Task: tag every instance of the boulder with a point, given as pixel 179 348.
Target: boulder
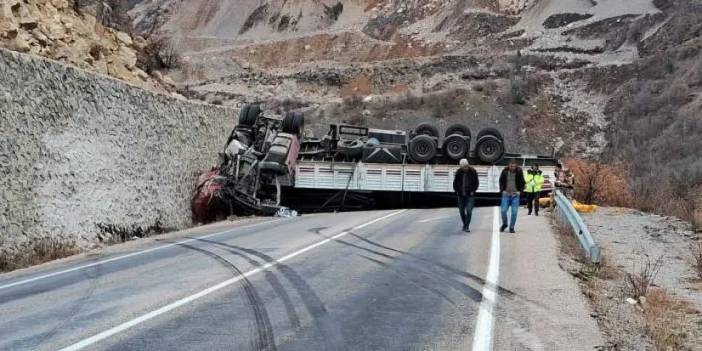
pixel 60 4
pixel 124 38
pixel 21 44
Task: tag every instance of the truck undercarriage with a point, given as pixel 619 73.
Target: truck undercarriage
pixel 265 155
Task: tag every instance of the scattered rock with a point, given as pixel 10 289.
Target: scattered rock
pixel 564 19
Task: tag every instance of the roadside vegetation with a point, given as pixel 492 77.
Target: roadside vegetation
pixel 48 249
pixel 631 309
pixel 37 252
pixel 696 261
pixel 615 183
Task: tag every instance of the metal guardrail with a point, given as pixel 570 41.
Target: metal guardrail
pixel 566 213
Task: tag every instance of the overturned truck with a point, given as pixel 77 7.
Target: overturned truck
pixel 267 156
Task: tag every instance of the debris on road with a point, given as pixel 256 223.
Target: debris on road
pixel 285 212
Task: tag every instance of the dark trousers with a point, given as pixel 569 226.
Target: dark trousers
pixel 465 207
pixel 533 202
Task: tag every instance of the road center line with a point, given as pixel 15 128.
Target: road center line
pixel 482 339
pixel 143 318
pixel 118 258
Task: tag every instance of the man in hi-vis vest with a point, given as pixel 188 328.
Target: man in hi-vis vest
pixel 534 183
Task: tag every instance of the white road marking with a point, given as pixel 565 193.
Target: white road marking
pixel 118 258
pixel 433 219
pixel 136 321
pixel 482 339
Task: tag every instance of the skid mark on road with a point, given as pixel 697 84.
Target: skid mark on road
pixel 189 299
pixel 408 278
pixel 265 339
pixel 328 329
pixel 272 281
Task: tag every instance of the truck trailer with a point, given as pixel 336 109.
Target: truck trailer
pixel 266 159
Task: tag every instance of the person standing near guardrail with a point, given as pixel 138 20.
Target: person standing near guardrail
pixel 565 183
pixel 465 184
pixel 512 183
pixel 534 182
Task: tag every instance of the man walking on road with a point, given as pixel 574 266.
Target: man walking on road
pixel 534 183
pixel 512 183
pixel 465 184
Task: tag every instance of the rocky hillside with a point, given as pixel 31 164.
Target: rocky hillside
pixel 70 32
pixel 605 79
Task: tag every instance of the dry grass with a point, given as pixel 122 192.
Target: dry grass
pixel 661 322
pixel 696 252
pixel 587 271
pixel 668 321
pixel 642 276
pixel 569 244
pixel 37 252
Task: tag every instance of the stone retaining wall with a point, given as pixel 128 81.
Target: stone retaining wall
pixel 81 152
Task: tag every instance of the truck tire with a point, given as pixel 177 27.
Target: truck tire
pixel 457 128
pixel 252 115
pixel 351 148
pixel 288 123
pixel 422 148
pixel 490 149
pixel 490 131
pixel 427 129
pixel 456 146
pixel 243 113
pixel 249 114
pixel 298 122
pixel 293 123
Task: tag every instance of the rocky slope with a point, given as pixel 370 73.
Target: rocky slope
pixel 64 31
pixel 606 79
pixel 323 56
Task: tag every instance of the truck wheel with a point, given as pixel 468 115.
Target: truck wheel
pixel 422 148
pixel 252 114
pixel 243 114
pixel 457 128
pixel 350 148
pixel 490 149
pixel 490 131
pixel 293 123
pixel 456 146
pixel 287 125
pixel 427 129
pixel 298 122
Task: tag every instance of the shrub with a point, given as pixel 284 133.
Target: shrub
pixel 353 102
pixel 696 252
pixel 333 12
pixel 669 65
pixel 604 184
pixel 643 276
pixel 668 321
pixel 37 252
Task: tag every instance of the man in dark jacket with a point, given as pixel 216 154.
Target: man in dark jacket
pixel 512 184
pixel 465 184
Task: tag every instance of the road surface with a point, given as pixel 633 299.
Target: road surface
pixel 382 280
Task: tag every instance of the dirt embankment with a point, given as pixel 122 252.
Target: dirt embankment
pixel 647 292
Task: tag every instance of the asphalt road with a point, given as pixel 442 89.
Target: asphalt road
pixel 383 280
